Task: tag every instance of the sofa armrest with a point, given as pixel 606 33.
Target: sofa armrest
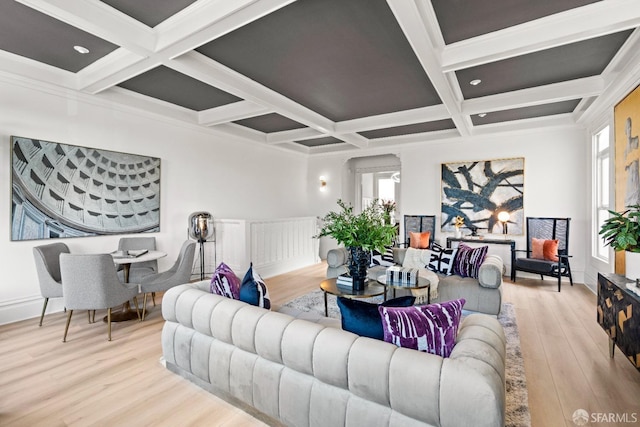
pixel 491 271
pixel 337 257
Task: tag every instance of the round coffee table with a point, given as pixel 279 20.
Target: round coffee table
pixel 371 289
pixel 421 284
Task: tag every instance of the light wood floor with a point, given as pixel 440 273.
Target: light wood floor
pixel 89 381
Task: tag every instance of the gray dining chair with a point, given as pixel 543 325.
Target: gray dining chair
pixel 138 270
pixel 90 282
pixel 47 258
pixel 178 274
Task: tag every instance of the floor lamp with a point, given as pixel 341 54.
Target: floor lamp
pixel 201 227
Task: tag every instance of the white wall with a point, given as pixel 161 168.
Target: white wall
pixel 556 179
pixel 200 170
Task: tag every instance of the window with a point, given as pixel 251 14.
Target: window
pixel 601 190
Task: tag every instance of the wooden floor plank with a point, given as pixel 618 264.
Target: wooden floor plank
pixel 90 381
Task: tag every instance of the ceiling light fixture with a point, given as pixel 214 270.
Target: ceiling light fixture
pixel 475 82
pixel 81 49
pixel 482 114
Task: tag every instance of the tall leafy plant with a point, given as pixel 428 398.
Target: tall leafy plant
pixel 366 230
pixel 621 231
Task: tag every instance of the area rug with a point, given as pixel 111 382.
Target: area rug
pixel 517 406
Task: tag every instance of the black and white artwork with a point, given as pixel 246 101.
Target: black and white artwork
pixel 478 191
pixel 60 190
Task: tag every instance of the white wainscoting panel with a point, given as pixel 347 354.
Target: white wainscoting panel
pixel 275 246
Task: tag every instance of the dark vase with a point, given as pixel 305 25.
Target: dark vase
pixel 358 263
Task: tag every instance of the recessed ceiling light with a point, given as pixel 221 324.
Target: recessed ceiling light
pixel 81 49
pixel 475 82
pixel 482 114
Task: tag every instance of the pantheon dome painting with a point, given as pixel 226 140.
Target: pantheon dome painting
pixel 61 190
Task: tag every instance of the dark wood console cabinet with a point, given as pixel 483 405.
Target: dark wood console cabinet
pixel 619 315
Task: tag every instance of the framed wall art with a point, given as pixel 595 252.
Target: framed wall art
pixel 478 191
pixel 627 157
pixel 60 190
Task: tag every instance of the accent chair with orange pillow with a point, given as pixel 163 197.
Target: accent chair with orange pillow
pixel 547 252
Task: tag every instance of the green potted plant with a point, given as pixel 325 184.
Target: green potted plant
pixel 360 234
pixel 621 231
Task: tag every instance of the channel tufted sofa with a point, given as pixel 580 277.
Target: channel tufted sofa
pixel 482 295
pixel 295 372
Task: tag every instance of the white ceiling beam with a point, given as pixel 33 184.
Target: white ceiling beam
pixel 293 135
pixel 231 112
pixel 399 118
pixel 209 20
pixel 101 20
pixel 596 19
pixel 556 92
pixel 213 73
pixel 533 124
pixel 148 104
pixel 241 132
pixel 415 137
pixel 110 70
pixel 29 68
pixel 410 19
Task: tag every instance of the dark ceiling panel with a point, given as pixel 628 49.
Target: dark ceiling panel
pixel 317 142
pixel 270 123
pixel 342 59
pixel 149 12
pixel 409 129
pixel 34 35
pixel 573 61
pixel 464 19
pixel 171 86
pixel 526 112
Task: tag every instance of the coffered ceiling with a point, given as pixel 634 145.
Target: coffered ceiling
pixel 318 76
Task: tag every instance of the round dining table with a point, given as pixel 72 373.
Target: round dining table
pixel 126 259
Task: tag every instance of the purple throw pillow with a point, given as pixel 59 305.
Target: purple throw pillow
pixel 225 283
pixel 430 328
pixel 468 260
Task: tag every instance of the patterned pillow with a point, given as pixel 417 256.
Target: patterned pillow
pixel 225 282
pixel 363 318
pixel 430 328
pixel 441 259
pixel 385 259
pixel 253 290
pixel 468 260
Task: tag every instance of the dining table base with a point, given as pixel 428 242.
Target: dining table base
pixel 126 314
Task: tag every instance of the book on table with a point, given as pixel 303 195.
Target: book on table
pixel 132 253
pixel 344 280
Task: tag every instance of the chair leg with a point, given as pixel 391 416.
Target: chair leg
pixel 66 328
pixel 135 301
pixel 559 281
pixel 89 316
pixel 153 298
pixel 569 271
pixel 93 317
pixel 144 306
pixel 109 323
pixel 44 308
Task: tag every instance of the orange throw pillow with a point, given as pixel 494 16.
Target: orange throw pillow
pixel 537 248
pixel 550 250
pixel 544 249
pixel 419 240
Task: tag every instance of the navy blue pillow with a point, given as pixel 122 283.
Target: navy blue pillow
pixel 253 290
pixel 363 318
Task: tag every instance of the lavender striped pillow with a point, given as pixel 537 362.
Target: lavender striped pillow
pixel 468 260
pixel 225 282
pixel 430 328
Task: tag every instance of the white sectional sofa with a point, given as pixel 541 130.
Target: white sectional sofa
pixel 296 372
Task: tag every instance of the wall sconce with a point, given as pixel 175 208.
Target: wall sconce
pixel 323 183
pixel 503 217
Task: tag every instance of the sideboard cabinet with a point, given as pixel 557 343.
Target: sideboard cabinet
pixel 619 315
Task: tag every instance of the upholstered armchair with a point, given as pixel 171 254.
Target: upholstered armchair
pixel 47 258
pixel 178 274
pixel 90 282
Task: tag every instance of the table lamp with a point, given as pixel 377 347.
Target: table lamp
pixel 503 217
